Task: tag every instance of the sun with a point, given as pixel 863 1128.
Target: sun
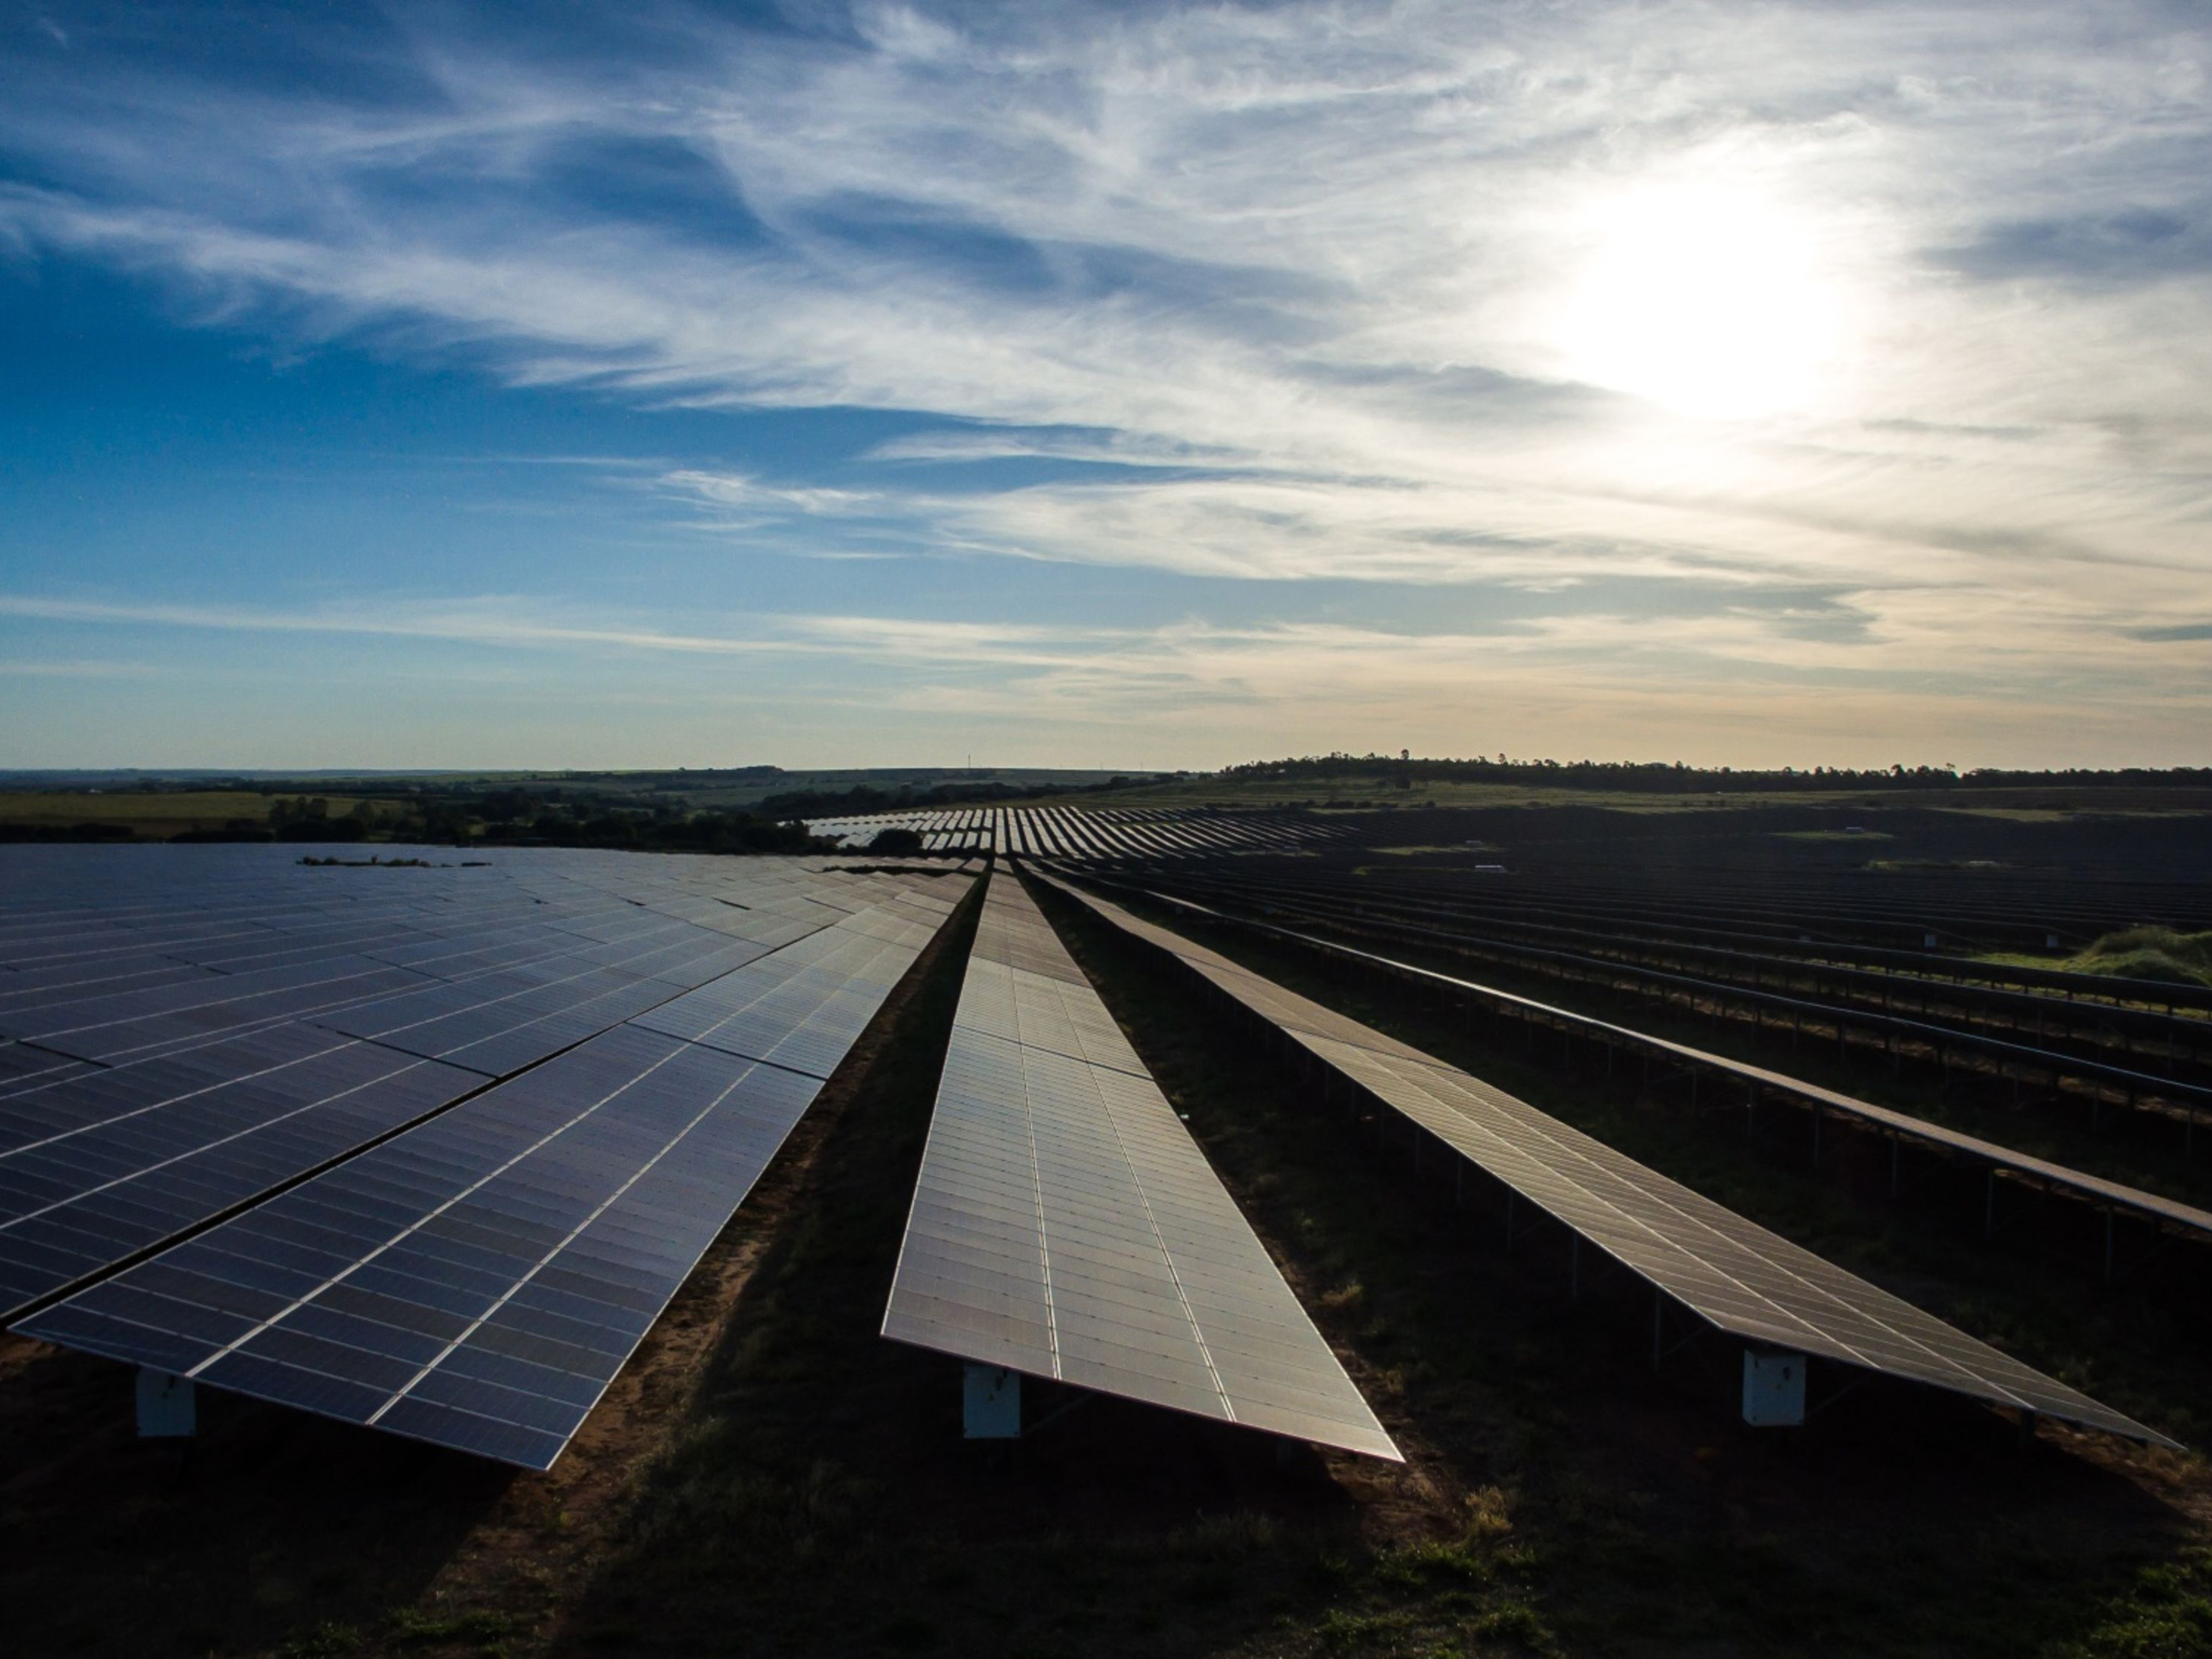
pixel 1711 299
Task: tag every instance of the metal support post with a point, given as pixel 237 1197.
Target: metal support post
pixel 167 1408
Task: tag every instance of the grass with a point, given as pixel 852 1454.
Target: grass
pixel 147 814
pixel 151 815
pixel 413 1627
pixel 2159 955
pixel 2155 953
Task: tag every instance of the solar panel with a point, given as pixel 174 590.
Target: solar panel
pixel 41 985
pixel 501 1022
pixel 21 1067
pixel 1737 1276
pixel 2112 1195
pixel 801 1008
pixel 98 1167
pixel 1066 1226
pixel 476 1279
pixel 115 1025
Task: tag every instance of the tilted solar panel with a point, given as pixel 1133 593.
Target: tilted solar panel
pixel 1736 1275
pixel 23 1067
pixel 119 1025
pixel 501 1022
pixel 477 1280
pixel 1064 1224
pixel 98 1167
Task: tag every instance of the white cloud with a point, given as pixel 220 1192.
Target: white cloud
pixel 750 495
pixel 1311 276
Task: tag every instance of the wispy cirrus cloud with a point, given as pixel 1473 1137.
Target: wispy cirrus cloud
pixel 750 495
pixel 1289 296
pixel 496 621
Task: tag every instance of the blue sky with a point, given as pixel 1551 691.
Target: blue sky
pixel 1134 386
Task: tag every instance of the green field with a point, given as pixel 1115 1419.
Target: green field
pixel 151 815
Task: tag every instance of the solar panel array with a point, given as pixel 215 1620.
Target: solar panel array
pixel 2170 1215
pixel 1100 832
pixel 1064 1224
pixel 629 1038
pixel 1737 1276
pixel 176 1017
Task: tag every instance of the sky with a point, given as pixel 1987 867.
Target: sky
pixel 1136 386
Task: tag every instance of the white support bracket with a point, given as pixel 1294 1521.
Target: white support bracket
pixel 990 1402
pixel 1773 1388
pixel 166 1407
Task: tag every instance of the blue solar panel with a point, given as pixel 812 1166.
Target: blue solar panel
pixel 478 1278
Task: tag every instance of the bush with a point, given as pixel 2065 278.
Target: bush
pixel 897 843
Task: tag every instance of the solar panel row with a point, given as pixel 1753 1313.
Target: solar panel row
pixel 2183 1220
pixel 184 1031
pixel 1737 1276
pixel 1066 1226
pixel 1088 832
pixel 104 1165
pixel 478 1278
pixel 99 1161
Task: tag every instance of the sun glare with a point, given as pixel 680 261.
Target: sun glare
pixel 1711 301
